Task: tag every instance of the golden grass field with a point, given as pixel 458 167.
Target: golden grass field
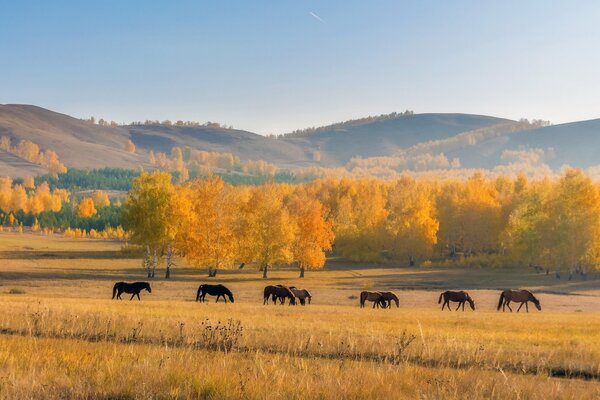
pixel 61 335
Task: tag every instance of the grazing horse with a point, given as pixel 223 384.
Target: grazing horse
pixel 387 297
pixel 134 288
pixel 213 290
pixel 375 297
pixel 460 297
pixel 278 292
pixel 301 294
pixel 518 296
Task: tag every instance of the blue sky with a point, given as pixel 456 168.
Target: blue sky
pixel 273 66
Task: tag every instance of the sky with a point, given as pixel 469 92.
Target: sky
pixel 275 66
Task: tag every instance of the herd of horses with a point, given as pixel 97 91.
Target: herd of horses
pixel 279 294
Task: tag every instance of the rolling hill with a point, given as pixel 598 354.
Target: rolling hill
pixel 478 141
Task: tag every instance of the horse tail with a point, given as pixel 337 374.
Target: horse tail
pixel 440 299
pixel 500 301
pixel 115 289
pixel 199 292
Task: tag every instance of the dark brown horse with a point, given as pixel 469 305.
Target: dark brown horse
pixel 518 296
pixel 213 290
pixel 278 292
pixel 388 297
pixel 460 297
pixel 375 297
pixel 134 288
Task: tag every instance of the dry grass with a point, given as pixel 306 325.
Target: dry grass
pixel 62 336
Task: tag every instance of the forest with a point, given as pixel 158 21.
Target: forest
pixel 554 223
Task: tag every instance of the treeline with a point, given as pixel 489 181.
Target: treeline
pixel 554 223
pixel 104 178
pixel 338 125
pixel 31 152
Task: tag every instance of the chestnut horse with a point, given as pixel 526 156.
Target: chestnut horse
pixel 389 297
pixel 518 296
pixel 278 292
pixel 375 297
pixel 460 297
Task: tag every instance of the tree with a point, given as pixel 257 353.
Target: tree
pixel 147 208
pixel 100 198
pixel 574 216
pixel 268 226
pixel 412 226
pixel 86 208
pixel 18 199
pixel 210 240
pixel 359 222
pixel 313 234
pixel 130 146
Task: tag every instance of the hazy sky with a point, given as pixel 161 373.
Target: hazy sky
pixel 273 66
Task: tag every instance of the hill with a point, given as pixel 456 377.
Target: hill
pixel 398 141
pixel 386 137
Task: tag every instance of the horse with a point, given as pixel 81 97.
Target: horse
pixel 213 290
pixel 278 292
pixel 301 294
pixel 518 296
pixel 134 288
pixel 375 297
pixel 460 297
pixel 387 297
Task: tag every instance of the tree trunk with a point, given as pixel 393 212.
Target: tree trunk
pixel 147 262
pixel 168 263
pixel 154 261
pixel 302 271
pixel 265 268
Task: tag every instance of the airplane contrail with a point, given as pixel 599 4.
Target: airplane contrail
pixel 315 16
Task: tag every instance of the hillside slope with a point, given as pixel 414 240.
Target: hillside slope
pixel 78 143
pixel 388 137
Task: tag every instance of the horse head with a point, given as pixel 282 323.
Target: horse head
pixel 471 302
pixel 535 301
pixel 230 295
pixel 147 287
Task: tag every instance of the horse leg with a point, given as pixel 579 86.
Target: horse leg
pixel 508 305
pixel 457 306
pixel 526 306
pixel 463 306
pixel 138 296
pixel 119 295
pixel 376 303
pixel 132 296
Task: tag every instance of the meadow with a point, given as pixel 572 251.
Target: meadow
pixel 63 337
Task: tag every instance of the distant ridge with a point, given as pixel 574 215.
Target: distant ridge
pixel 474 141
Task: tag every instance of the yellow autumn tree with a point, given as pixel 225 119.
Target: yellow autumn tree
pixel 100 198
pixel 412 225
pixel 210 241
pixel 359 223
pixel 574 215
pixel 313 234
pixel 268 225
pixel 5 193
pixel 18 199
pixel 146 211
pixel 130 146
pixel 86 208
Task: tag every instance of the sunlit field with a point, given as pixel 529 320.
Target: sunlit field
pixel 63 337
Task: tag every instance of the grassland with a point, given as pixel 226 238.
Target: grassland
pixel 62 337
